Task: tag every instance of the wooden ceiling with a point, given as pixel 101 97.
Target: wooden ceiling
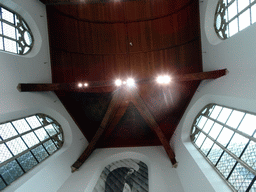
pixel 103 41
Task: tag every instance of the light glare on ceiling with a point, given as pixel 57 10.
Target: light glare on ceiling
pixel 80 85
pixel 163 79
pixel 118 82
pixel 130 82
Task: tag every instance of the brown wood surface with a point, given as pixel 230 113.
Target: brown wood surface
pixel 145 113
pixel 108 86
pixel 110 114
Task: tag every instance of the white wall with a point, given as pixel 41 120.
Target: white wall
pixel 36 68
pixel 237 89
pixel 162 177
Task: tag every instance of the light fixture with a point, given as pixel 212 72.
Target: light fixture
pixel 130 82
pixel 118 82
pixel 80 85
pixel 86 84
pixel 163 79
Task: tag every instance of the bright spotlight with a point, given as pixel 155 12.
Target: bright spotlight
pixel 86 84
pixel 164 79
pixel 130 82
pixel 80 85
pixel 118 82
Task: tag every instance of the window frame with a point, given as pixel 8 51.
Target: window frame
pixel 225 149
pixel 57 140
pixel 221 9
pixel 21 28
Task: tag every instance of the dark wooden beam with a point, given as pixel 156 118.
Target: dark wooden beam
pixel 110 114
pixel 109 86
pixel 201 76
pixel 96 87
pixel 145 113
pixel 70 2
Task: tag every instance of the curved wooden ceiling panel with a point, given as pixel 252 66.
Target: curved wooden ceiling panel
pixel 126 11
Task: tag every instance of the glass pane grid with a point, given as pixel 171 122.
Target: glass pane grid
pixel 226 164
pixel 14 27
pixel 239 144
pixel 24 161
pixel 238 15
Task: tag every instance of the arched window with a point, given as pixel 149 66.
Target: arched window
pixel 232 16
pixel 226 138
pixel 15 34
pixel 26 142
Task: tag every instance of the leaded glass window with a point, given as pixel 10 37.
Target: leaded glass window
pixel 26 142
pixel 226 137
pixel 232 16
pixel 15 34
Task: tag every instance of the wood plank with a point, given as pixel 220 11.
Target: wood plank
pixel 145 113
pixel 110 114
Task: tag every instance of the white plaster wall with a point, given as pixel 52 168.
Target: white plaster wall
pixel 237 89
pixel 162 177
pixel 36 68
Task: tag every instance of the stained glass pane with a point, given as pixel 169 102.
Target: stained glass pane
pixel 225 136
pixel 202 122
pixel 200 139
pixel 2 184
pixel 249 156
pixel 50 147
pixel 247 125
pixel 235 118
pixel 253 12
pixel 240 177
pixel 41 134
pixel 215 112
pixel 33 122
pixel 7 131
pixel 40 153
pixel 10 45
pixel 1 43
pixel 5 153
pixel 27 161
pixel 237 144
pixel 207 145
pixel 30 139
pixel 226 164
pixel 21 125
pixel 11 171
pixel 208 126
pixel 50 130
pixel 7 15
pixel 232 10
pixel 9 30
pixel 16 146
pixel 224 115
pixel 244 20
pixel 215 153
pixel 215 130
pixel 242 4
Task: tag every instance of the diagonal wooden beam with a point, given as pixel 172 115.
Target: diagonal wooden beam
pixel 111 111
pixel 109 86
pixel 145 113
pixel 119 114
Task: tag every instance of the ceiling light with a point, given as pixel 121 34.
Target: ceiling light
pixel 86 84
pixel 80 85
pixel 130 82
pixel 164 79
pixel 118 82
